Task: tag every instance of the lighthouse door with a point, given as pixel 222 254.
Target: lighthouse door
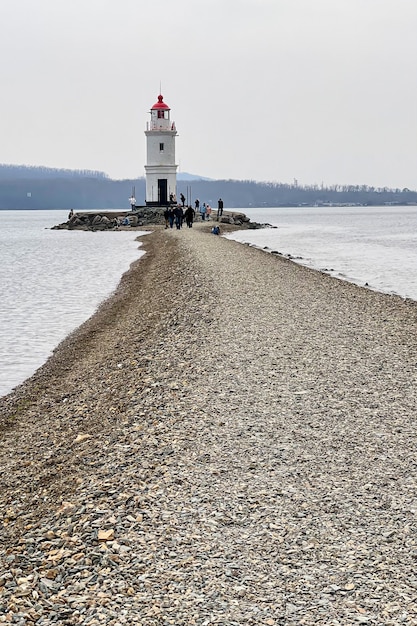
pixel 162 191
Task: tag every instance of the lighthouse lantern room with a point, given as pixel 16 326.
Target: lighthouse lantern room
pixel 160 168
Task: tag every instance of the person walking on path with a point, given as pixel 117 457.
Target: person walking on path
pixel 219 208
pixel 203 211
pixel 189 216
pixel 179 216
pixel 182 198
pixel 166 216
pixel 171 217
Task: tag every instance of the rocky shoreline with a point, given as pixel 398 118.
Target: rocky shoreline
pixel 231 439
pixel 142 216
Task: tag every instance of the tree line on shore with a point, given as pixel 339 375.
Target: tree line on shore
pixel 23 187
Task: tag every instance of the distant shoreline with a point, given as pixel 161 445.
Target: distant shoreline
pixel 26 188
pixel 235 209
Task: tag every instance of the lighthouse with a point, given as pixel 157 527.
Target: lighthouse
pixel 160 168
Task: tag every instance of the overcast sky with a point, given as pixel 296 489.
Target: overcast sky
pixel 321 91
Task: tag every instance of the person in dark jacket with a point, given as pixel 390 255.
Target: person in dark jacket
pixel 171 217
pixel 179 216
pixel 219 208
pixel 189 216
pixel 166 216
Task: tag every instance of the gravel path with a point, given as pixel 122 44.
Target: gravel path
pixel 231 439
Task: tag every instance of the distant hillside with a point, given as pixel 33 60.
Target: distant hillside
pixel 185 176
pixel 38 172
pixel 23 187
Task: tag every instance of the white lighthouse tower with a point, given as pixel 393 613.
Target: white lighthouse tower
pixel 161 171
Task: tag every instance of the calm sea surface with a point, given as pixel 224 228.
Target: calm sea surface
pixel 50 282
pixel 374 245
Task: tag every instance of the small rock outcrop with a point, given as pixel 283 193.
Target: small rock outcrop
pixel 240 219
pixel 113 220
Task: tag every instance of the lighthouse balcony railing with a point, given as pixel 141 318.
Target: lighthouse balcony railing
pixel 162 126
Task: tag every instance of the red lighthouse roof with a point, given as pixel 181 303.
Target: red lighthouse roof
pixel 160 104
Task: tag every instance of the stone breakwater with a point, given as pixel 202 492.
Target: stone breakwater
pixel 231 439
pixel 142 216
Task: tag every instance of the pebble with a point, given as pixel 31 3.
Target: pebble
pixel 229 440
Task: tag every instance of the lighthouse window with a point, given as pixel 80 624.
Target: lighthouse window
pixel 161 147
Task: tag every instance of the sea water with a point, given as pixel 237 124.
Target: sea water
pixel 374 247
pixel 50 282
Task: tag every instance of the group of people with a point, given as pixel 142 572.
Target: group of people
pixel 205 209
pixel 178 213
